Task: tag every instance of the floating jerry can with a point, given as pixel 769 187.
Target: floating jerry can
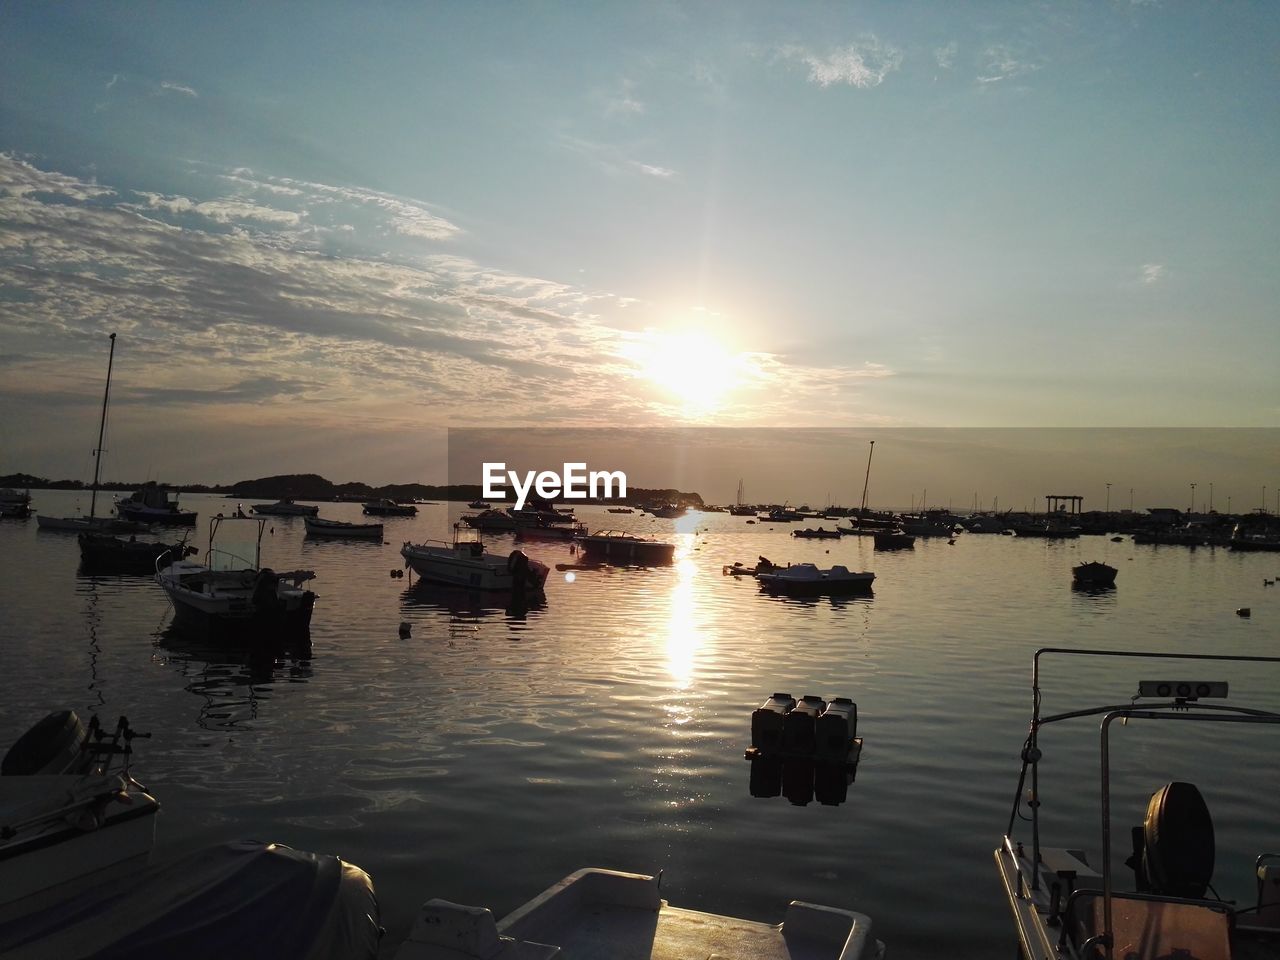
pixel 798 737
pixel 834 729
pixel 766 723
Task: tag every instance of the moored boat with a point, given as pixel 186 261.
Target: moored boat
pixel 70 812
pixel 807 579
pixel 152 504
pixel 615 546
pixel 818 533
pixel 893 540
pixel 15 504
pixel 320 527
pixel 466 563
pixel 285 508
pixel 389 508
pixel 230 592
pixel 1094 574
pixel 491 520
pixel 606 913
pixel 103 553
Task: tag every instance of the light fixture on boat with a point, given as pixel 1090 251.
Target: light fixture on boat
pixel 1183 689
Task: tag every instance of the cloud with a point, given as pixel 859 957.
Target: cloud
pixel 19 179
pixel 1152 273
pixel 864 63
pixel 222 210
pixel 170 87
pixel 945 56
pixel 1002 62
pixel 230 314
pixel 112 82
pixel 623 102
pixel 613 159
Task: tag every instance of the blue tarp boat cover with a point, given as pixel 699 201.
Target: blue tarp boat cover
pixel 244 900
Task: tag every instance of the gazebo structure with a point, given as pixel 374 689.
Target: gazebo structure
pixel 1063 503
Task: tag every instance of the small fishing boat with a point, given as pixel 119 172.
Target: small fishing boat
pixel 320 527
pixel 550 531
pixel 15 504
pixel 818 533
pixel 621 510
pixel 614 546
pixel 230 592
pixel 479 505
pixel 285 508
pixel 103 553
pixel 1068 904
pixel 70 812
pixel 466 563
pixel 893 540
pixel 1047 530
pixel 389 508
pixel 76 834
pixel 152 504
pixel 807 580
pixel 607 913
pixel 1094 574
pixel 491 520
pixel 740 569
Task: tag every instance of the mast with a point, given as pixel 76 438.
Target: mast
pixel 866 480
pixel 102 426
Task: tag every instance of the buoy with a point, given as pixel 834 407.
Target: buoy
pixel 1244 612
pixel 1268 583
pixel 405 629
pixel 393 574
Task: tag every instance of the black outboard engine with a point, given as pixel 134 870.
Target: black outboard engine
pixel 265 586
pixel 1173 850
pixel 54 745
pixel 518 567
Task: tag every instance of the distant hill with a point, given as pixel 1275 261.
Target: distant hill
pixel 312 486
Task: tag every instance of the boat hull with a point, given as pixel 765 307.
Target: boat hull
pixel 233 607
pixel 346 531
pixel 775 583
pixel 162 517
pixel 628 552
pixel 475 571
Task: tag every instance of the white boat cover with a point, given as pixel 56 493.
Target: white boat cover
pixel 244 900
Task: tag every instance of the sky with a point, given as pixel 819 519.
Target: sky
pixel 328 233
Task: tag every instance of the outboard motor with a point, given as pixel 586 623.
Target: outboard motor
pixel 54 745
pixel 518 567
pixel 265 586
pixel 1174 848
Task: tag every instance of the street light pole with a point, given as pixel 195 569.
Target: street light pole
pixel 1108 498
pixel 1193 500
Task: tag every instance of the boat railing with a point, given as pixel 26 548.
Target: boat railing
pixel 1184 705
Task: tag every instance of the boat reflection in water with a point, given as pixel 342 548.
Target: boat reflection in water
pixel 461 601
pixel 232 679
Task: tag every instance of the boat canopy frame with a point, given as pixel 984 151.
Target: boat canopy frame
pixel 1179 708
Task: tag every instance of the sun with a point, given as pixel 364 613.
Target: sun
pixel 693 368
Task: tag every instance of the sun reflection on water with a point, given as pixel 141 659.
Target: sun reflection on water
pixel 684 637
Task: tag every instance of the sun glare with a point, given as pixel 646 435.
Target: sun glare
pixel 693 369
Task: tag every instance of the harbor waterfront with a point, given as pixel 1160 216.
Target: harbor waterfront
pixel 491 752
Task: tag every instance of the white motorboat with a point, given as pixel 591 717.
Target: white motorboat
pixel 605 913
pixel 70 812
pixel 229 591
pixel 152 504
pixel 617 547
pixel 320 527
pixel 807 579
pixel 466 563
pixel 389 508
pixel 285 508
pixel 15 503
pixel 1067 907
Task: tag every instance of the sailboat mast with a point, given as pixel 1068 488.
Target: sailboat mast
pixel 102 426
pixel 865 481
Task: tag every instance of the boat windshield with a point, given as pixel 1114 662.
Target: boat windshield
pixel 233 543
